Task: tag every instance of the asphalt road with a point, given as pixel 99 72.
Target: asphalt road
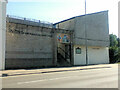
pixel 90 78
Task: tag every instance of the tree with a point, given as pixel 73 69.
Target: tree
pixel 117 55
pixel 113 40
pixel 118 42
pixel 114 50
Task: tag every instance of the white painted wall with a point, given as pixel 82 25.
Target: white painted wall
pixel 2 33
pixel 80 59
pixel 96 55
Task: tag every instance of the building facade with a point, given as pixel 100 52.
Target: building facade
pixel 31 45
pixel 93 27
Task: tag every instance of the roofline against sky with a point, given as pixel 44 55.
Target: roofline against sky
pixel 80 16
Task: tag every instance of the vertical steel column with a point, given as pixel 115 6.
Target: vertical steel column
pixel 86 37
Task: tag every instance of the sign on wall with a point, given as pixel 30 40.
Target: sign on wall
pixel 78 50
pixel 63 38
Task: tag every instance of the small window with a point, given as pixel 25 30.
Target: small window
pixel 78 50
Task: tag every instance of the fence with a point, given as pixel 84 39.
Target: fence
pixel 41 23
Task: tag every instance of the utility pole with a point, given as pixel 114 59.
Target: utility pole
pixel 2 33
pixel 86 37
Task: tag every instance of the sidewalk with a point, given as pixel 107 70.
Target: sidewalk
pixel 50 70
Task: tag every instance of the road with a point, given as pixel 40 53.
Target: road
pixel 90 78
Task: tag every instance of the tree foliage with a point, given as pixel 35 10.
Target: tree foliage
pixel 113 40
pixel 114 50
pixel 118 42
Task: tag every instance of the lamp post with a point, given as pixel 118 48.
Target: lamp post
pixel 2 33
pixel 86 37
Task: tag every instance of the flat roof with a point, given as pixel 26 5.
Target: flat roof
pixel 79 16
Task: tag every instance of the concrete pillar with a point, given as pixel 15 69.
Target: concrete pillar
pixel 2 33
pixel 54 48
pixel 72 49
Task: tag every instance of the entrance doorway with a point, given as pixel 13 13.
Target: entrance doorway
pixel 64 54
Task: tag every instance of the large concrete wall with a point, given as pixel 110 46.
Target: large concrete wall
pixel 96 26
pixel 67 24
pixel 28 46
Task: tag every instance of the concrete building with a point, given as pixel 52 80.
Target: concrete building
pixel 97 34
pixel 30 45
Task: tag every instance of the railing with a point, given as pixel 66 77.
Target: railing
pixel 16 17
pixel 43 23
pixel 64 54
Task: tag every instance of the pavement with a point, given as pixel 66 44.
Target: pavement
pixel 93 76
pixel 6 73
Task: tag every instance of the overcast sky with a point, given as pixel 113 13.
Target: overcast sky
pixel 58 10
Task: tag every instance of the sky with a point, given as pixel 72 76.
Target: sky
pixel 57 10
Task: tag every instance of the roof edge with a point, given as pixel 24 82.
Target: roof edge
pixel 80 16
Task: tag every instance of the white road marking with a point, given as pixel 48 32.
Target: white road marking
pixel 45 80
pixel 59 78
